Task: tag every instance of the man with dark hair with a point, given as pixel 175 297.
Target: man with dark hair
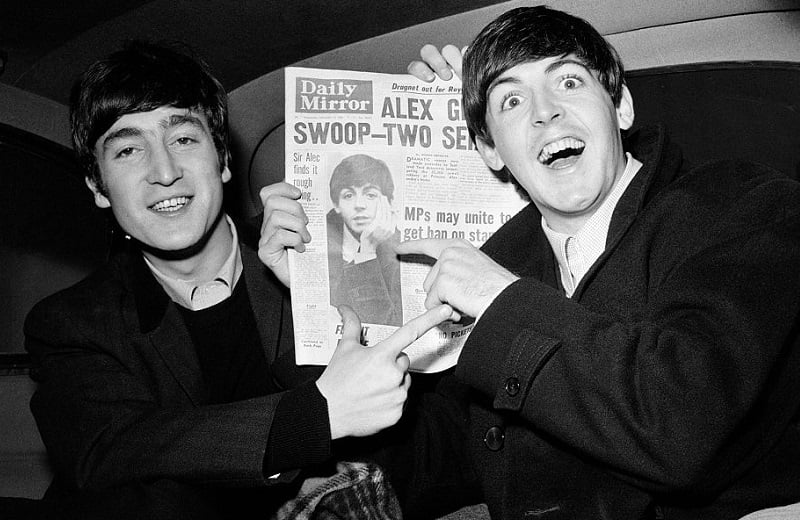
pixel 636 351
pixel 167 386
pixel 363 268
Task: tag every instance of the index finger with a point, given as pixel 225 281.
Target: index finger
pixel 411 331
pixel 432 247
pixel 279 188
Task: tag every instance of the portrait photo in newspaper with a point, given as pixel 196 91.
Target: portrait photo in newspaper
pixel 363 269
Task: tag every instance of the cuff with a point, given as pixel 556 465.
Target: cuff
pixel 300 435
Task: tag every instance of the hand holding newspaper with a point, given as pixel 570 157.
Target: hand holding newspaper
pixel 381 158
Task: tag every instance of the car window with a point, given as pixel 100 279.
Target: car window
pixel 725 110
pixel 51 234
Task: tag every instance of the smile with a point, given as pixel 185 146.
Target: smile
pixel 170 205
pixel 561 153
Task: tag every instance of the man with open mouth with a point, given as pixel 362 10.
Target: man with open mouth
pixel 636 352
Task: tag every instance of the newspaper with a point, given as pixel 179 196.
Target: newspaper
pixel 381 158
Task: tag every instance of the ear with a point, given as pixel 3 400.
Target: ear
pixel 489 154
pixel 625 109
pixel 226 174
pixel 99 199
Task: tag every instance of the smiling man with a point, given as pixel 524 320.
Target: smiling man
pixel 167 386
pixel 637 346
pixel 163 180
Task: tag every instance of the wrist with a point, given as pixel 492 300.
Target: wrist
pixel 337 429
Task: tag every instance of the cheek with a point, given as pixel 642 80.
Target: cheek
pixel 119 198
pixel 345 209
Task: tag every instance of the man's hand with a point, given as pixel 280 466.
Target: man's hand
pixel 366 387
pixel 381 228
pixel 283 227
pixel 463 276
pixel 433 63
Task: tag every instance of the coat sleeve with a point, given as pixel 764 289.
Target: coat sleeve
pixel 684 392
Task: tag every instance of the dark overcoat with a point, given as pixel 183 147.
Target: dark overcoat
pixel 121 400
pixel 668 386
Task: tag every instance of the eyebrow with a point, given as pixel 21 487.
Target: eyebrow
pixel 132 131
pixel 180 119
pixel 120 133
pixel 367 186
pixel 501 80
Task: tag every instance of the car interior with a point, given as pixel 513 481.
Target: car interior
pixel 723 77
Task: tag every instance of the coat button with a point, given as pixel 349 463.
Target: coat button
pixel 512 386
pixel 494 438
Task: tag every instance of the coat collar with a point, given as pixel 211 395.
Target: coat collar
pixel 152 302
pixel 522 247
pixel 661 162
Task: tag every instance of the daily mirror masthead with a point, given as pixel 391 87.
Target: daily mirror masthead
pixel 333 96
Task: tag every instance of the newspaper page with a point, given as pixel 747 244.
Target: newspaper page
pixel 381 158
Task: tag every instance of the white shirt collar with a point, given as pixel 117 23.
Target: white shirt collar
pixel 195 296
pixel 590 241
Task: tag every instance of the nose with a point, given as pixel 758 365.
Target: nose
pixel 163 168
pixel 361 201
pixel 546 109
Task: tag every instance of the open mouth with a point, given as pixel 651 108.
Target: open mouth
pixel 561 153
pixel 170 205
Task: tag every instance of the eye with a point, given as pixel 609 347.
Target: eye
pixel 570 82
pixel 347 195
pixel 185 140
pixel 371 195
pixel 125 152
pixel 510 101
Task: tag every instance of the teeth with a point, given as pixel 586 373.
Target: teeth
pixel 173 204
pixel 567 143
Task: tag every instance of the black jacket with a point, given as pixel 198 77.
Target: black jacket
pixel 121 404
pixel 668 386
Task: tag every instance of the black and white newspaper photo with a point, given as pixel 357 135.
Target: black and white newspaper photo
pixel 381 158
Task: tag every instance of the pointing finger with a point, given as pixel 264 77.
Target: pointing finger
pixel 411 331
pixel 432 247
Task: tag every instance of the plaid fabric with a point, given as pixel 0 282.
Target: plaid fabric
pixel 359 491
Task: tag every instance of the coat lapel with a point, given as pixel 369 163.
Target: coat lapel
pixel 172 342
pixel 652 148
pixel 160 321
pixel 162 327
pixel 266 301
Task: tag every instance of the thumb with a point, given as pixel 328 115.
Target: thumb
pixel 411 331
pixel 351 326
